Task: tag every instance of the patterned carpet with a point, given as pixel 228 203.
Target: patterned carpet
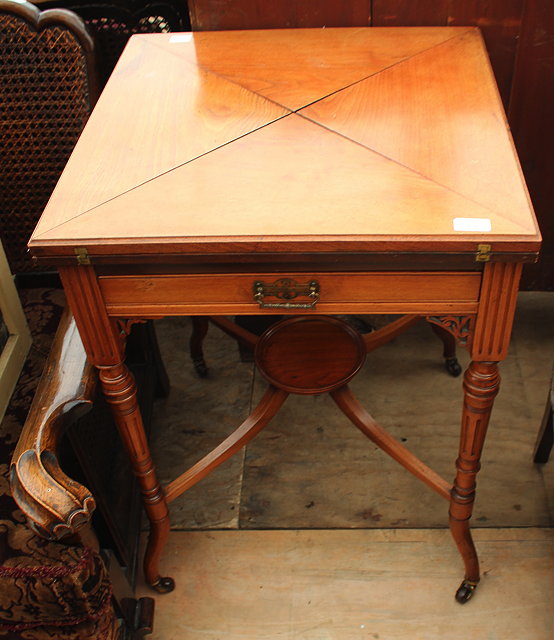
pixel 47 589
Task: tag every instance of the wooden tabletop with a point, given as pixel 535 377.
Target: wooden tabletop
pixel 354 139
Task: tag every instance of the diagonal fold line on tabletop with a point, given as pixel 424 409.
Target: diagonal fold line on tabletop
pixel 339 136
pixel 223 76
pixel 408 168
pixel 376 73
pixel 159 175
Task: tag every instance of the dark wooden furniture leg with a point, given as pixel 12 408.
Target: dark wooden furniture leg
pixel 449 349
pixel 200 326
pixel 104 344
pixel 545 437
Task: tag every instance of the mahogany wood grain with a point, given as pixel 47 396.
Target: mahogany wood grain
pixel 104 343
pixel 119 129
pixel 357 189
pixel 294 68
pixel 400 182
pixel 120 392
pixel 500 22
pixel 404 136
pixel 392 13
pixel 385 334
pixel 533 126
pixel 447 292
pixel 467 117
pixel 308 356
pixel 259 14
pixel 497 304
pixel 55 505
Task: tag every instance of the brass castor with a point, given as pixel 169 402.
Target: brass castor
pixel 164 585
pixel 465 591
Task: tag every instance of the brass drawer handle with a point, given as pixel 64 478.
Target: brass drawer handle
pixel 286 289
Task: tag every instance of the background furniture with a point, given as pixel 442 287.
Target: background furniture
pixel 65 585
pixel 111 24
pixel 16 338
pixel 48 90
pixel 545 437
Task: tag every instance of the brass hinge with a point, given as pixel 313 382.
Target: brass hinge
pixel 82 255
pixel 483 253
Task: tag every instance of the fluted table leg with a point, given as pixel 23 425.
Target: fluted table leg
pixel 481 382
pixel 120 391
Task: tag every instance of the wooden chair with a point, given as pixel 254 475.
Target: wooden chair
pixel 111 24
pixel 58 509
pixel 48 90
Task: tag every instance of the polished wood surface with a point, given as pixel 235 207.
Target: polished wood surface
pixel 119 148
pixel 296 68
pixel 463 119
pixel 55 505
pixel 310 355
pixel 376 292
pixel 419 184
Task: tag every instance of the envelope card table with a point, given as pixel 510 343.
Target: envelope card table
pixel 313 171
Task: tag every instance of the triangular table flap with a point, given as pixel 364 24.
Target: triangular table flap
pixel 294 67
pixel 439 114
pixel 292 178
pixel 146 123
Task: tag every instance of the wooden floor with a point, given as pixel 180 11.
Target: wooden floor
pixel 314 534
pixel 354 585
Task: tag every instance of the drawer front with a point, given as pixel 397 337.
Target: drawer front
pixel 222 294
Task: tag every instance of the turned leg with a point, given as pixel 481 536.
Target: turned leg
pixel 120 391
pixel 200 325
pixel 481 382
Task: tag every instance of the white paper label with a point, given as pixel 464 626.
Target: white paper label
pixel 180 37
pixel 472 224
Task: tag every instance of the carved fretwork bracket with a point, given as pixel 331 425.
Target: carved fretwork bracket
pixel 125 325
pixel 461 327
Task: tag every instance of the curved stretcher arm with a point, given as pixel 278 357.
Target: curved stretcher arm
pixel 55 505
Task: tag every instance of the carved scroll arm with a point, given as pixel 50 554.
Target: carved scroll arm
pixel 55 505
